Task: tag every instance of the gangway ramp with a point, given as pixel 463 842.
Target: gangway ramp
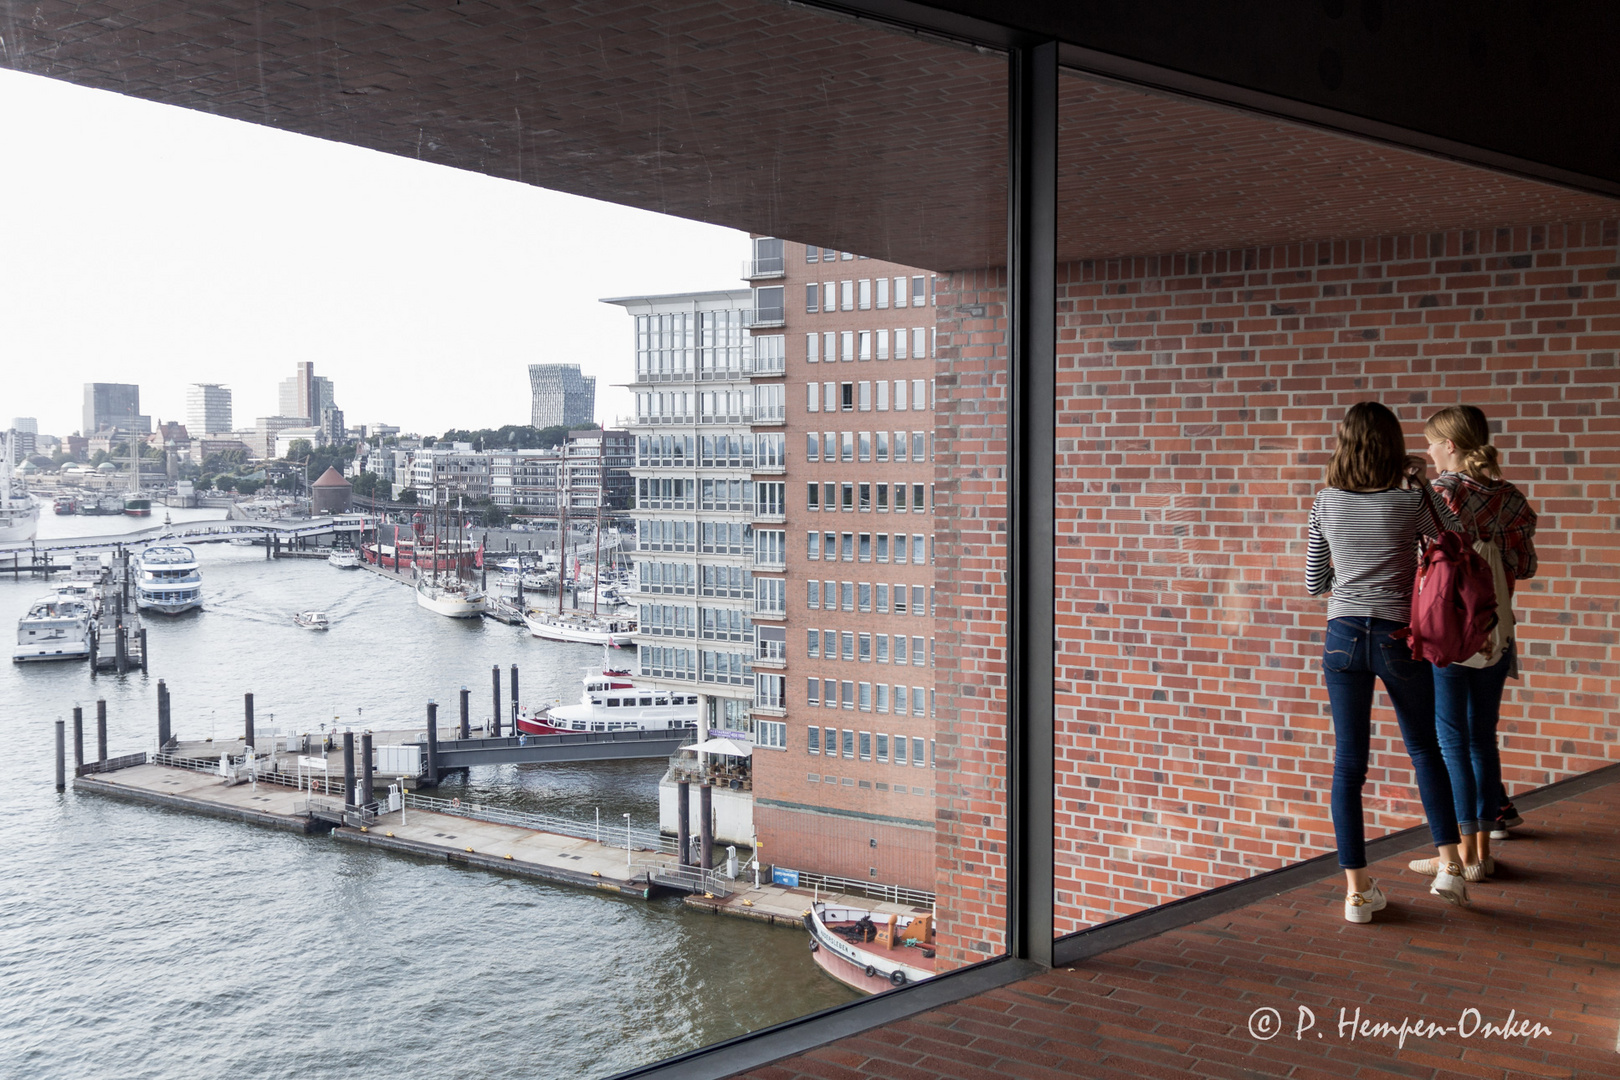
pixel 539 749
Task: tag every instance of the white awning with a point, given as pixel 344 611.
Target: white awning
pixel 722 746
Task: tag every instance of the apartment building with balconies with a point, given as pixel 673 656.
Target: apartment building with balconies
pixel 843 717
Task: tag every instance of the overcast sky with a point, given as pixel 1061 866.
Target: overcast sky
pixel 149 244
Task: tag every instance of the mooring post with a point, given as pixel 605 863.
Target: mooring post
pixel 247 719
pixel 433 744
pixel 514 699
pixel 168 717
pixel 61 757
pixel 163 715
pixel 706 826
pixel 683 821
pixel 348 769
pixel 495 673
pixel 141 637
pixel 101 729
pixel 78 735
pixel 366 776
pixel 120 645
pixel 466 719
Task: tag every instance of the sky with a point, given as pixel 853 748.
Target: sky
pixel 156 245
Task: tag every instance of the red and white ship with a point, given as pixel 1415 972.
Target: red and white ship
pixel 612 703
pixel 871 951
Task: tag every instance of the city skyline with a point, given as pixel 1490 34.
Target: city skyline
pixel 430 326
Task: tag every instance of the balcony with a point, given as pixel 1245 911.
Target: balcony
pixel 770 416
pixel 769 365
pixel 763 318
pixel 769 468
pixel 666 421
pixel 760 269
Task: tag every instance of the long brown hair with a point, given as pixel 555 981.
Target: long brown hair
pixel 1371 453
pixel 1468 430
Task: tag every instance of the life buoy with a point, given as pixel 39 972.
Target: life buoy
pixel 455 804
pixel 897 977
pixel 815 946
pixel 870 971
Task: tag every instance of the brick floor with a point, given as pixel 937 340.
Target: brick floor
pixel 1542 941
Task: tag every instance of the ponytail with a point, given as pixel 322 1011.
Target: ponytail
pixel 1465 426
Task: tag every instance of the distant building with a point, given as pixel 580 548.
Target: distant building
pixel 208 409
pixel 331 425
pixel 560 395
pixel 287 436
pixel 114 407
pixel 330 494
pixel 27 439
pixel 306 395
pixel 266 428
pixel 443 473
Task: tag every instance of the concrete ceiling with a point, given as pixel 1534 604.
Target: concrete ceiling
pixel 775 119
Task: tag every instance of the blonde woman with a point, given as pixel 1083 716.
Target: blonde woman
pixel 1468 695
pixel 1363 546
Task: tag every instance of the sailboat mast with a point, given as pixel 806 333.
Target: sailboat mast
pixel 601 490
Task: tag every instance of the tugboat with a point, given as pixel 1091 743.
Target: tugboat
pixel 870 951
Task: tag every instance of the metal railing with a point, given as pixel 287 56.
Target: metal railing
pixel 692 879
pixel 763 268
pixel 328 785
pixel 608 833
pixel 895 894
pixel 128 761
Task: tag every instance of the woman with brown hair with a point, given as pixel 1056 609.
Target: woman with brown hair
pixel 1363 546
pixel 1468 694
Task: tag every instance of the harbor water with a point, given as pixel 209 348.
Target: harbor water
pixel 140 942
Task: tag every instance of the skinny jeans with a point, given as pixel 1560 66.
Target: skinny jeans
pixel 1467 704
pixel 1358 651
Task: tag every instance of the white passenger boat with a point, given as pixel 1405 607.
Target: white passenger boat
pixel 458 600
pixel 55 628
pixel 313 620
pixel 168 580
pixel 871 951
pixel 611 630
pixel 344 558
pixel 608 704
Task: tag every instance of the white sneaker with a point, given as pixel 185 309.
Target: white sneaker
pixel 1501 834
pixel 1359 906
pixel 1450 886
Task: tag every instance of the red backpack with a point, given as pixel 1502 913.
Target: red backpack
pixel 1453 600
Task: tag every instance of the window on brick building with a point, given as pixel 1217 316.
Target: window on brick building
pixel 848 741
pixel 882 747
pixel 810 302
pixel 812 594
pixel 919 293
pixel 865 741
pixel 812 735
pixel 882 344
pixel 880 596
pixel 846 295
pixel 846 596
pixel 812 645
pixel 882 643
pixel 900 395
pixel 865 294
pixel 882 499
pixel 847 497
pixel 846 396
pixel 882 293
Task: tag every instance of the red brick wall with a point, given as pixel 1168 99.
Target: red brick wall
pixel 825 841
pixel 970 624
pixel 1198 397
pixel 1197 402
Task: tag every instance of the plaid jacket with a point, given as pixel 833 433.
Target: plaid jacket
pixel 1494 511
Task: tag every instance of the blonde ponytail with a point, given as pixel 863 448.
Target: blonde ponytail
pixel 1466 427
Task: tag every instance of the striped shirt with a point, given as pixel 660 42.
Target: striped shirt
pixel 1363 545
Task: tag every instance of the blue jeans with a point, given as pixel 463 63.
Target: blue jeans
pixel 1467 703
pixel 1358 650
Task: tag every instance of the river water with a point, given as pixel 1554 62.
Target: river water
pixel 140 942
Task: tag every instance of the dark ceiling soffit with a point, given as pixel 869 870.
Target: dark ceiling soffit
pixel 956 27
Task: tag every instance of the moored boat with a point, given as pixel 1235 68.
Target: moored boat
pixel 871 951
pixel 456 599
pixel 65 504
pixel 611 703
pixel 55 628
pixel 344 558
pixel 169 580
pixel 613 631
pixel 138 506
pixel 19 513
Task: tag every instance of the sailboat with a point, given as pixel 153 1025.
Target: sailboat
pixel 447 590
pixel 614 631
pixel 19 513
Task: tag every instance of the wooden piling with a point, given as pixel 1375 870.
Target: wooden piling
pixel 78 735
pixel 495 673
pixel 247 719
pixel 515 699
pixel 683 821
pixel 61 757
pixel 366 775
pixel 466 719
pixel 163 715
pixel 101 729
pixel 432 778
pixel 348 769
pixel 141 637
pixel 706 826
pixel 120 644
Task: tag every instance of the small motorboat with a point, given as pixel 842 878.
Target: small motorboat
pixel 313 620
pixel 344 558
